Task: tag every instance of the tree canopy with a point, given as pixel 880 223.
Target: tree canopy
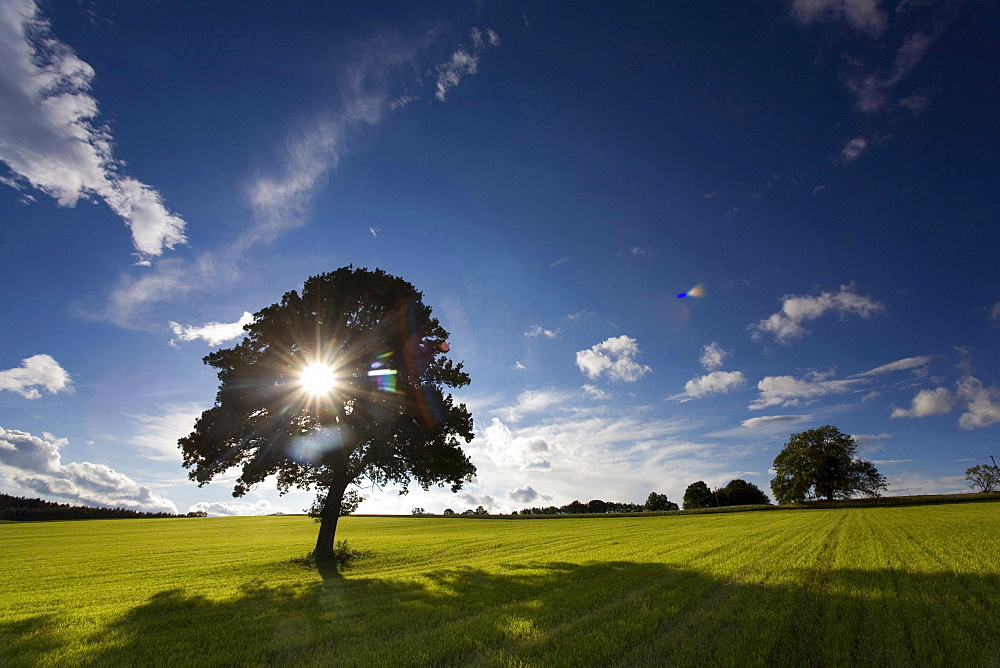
pixel 656 502
pixel 822 463
pixel 698 495
pixel 739 492
pixel 339 384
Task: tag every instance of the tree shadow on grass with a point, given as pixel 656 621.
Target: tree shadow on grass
pixel 556 613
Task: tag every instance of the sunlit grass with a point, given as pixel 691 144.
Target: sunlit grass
pixel 865 586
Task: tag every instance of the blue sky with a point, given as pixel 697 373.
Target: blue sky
pixel 819 176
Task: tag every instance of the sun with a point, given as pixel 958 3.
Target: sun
pixel 318 379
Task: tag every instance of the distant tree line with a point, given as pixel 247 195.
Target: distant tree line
pixel 22 509
pixel 654 502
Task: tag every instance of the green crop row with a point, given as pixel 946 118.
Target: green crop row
pixel 859 586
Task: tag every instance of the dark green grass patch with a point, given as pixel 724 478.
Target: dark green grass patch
pixel 878 586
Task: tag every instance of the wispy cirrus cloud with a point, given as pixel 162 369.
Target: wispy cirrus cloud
pixel 791 391
pixel 863 15
pixel 156 434
pixel 905 364
pixel 281 197
pixel 213 333
pixel 49 138
pixel 463 62
pixel 35 373
pixel 712 356
pixel 538 330
pixel 34 464
pixel 786 325
pixel 871 89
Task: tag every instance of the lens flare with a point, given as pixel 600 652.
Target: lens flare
pixel 696 291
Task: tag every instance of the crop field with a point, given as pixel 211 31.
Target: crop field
pixel 862 586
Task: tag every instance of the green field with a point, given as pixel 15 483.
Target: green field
pixel 861 586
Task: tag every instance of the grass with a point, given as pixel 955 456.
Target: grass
pixel 910 585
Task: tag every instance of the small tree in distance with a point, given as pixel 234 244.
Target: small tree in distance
pixel 698 495
pixel 659 502
pixel 822 463
pixel 986 478
pixel 741 493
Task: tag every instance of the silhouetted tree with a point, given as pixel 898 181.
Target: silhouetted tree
pixel 341 383
pixel 822 463
pixel 659 502
pixel 741 493
pixel 481 511
pixel 698 495
pixel 448 511
pixel 597 506
pixel 986 478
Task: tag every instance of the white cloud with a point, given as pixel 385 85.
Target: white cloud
pixel 532 401
pixel 863 15
pixel 995 312
pixel 982 406
pixel 928 402
pixel 717 382
pixel 872 89
pixel 227 508
pixel 526 453
pixel 789 391
pixel 538 330
pixel 614 357
pixel 853 149
pixel 33 463
pixel 462 62
pixel 49 140
pixel 899 365
pixel 595 392
pixel 37 371
pixel 774 421
pixel 797 309
pixel 157 434
pixel 213 333
pixel 519 366
pixel 712 356
pixel 981 403
pixel 526 495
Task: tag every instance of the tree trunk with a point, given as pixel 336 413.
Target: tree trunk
pixel 328 522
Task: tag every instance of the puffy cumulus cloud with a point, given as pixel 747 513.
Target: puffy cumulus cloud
pixel 786 325
pixel 981 403
pixel 37 371
pixel 790 391
pixel 774 421
pixel 526 495
pixel 863 15
pixel 717 382
pixel 899 365
pixel 595 392
pixel 538 330
pixel 226 508
pixel 927 402
pixel 34 463
pixel 528 453
pixel 48 138
pixel 712 356
pixel 156 434
pixel 213 333
pixel 615 357
pixel 463 62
